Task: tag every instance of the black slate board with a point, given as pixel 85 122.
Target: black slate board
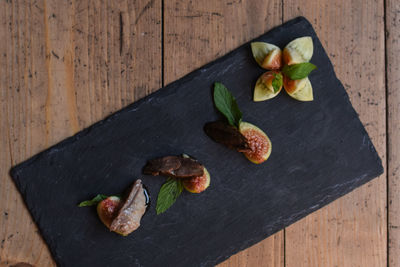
pixel 320 152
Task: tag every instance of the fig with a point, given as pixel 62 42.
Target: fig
pixel 258 141
pixel 268 56
pixel 298 51
pixel 123 217
pixel 131 212
pixel 108 209
pixel 264 88
pixel 197 184
pixel 299 89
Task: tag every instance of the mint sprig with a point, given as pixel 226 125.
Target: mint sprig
pixel 93 201
pixel 277 82
pixel 298 71
pixel 168 194
pixel 226 104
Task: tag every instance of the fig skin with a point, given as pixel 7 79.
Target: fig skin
pixel 298 89
pixel 298 51
pixel 263 89
pixel 292 86
pixel 259 143
pixel 107 209
pixel 268 56
pixel 197 184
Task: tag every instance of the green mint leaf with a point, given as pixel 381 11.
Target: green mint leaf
pixel 277 82
pixel 226 104
pixel 168 194
pixel 298 71
pixel 93 201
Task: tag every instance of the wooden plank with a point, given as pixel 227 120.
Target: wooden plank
pixel 62 68
pixel 351 231
pixel 198 32
pixel 393 102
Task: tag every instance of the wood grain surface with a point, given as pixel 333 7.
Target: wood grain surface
pixel 393 106
pixel 352 231
pixel 67 64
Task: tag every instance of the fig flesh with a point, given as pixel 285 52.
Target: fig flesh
pixel 197 184
pixel 258 141
pixel 108 209
pixel 123 217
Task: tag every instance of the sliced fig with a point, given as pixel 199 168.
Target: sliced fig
pixel 174 166
pixel 264 88
pixel 197 184
pixel 258 141
pixel 268 56
pixel 298 51
pixel 227 135
pixel 299 89
pixel 108 209
pixel 123 217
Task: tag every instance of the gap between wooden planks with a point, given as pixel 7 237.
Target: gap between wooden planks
pixel 63 68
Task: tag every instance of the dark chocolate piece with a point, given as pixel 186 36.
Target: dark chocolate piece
pixel 227 135
pixel 174 166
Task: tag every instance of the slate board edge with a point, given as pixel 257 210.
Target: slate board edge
pixel 344 189
pixel 171 89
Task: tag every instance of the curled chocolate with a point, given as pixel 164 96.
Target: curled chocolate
pixel 227 135
pixel 174 166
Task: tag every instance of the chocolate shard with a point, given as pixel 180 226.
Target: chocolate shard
pixel 131 212
pixel 162 165
pixel 189 168
pixel 174 166
pixel 227 135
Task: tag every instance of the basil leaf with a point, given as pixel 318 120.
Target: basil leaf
pixel 277 82
pixel 168 194
pixel 93 201
pixel 226 104
pixel 298 71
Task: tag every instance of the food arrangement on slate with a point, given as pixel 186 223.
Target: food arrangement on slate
pixel 237 134
pixel 321 152
pixel 184 172
pixel 292 74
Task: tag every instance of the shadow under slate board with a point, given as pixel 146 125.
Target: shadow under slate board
pixel 320 151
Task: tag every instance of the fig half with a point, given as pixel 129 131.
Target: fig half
pixel 107 209
pixel 264 89
pixel 299 89
pixel 123 216
pixel 197 184
pixel 298 51
pixel 268 56
pixel 258 141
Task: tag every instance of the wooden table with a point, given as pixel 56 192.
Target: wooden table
pixel 67 64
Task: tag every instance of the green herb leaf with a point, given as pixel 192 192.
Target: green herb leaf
pixel 277 82
pixel 93 201
pixel 226 104
pixel 298 71
pixel 168 194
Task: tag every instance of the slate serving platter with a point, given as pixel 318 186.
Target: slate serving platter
pixel 320 152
